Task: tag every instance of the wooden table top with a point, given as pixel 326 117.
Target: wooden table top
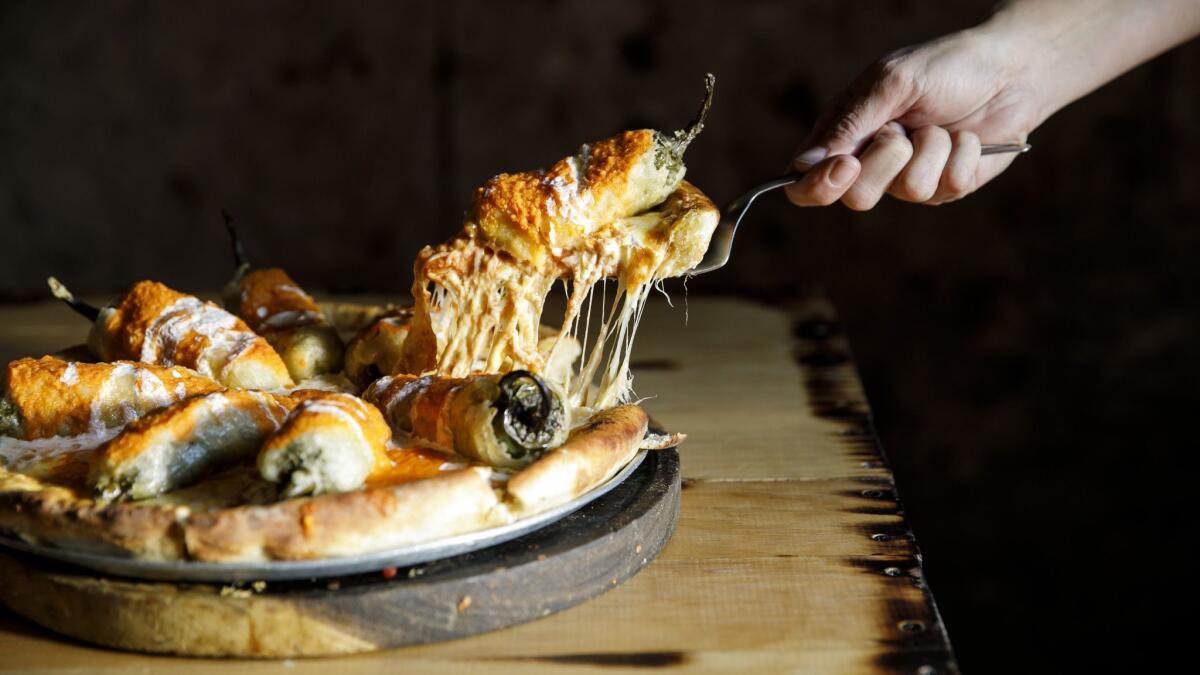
pixel 792 553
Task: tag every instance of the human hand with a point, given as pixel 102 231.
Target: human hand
pixel 912 124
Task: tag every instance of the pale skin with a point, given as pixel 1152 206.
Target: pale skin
pixel 912 124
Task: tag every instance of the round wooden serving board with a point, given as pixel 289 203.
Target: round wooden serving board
pixel 562 565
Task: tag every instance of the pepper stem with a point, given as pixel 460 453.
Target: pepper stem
pixel 684 137
pixel 62 293
pixel 239 253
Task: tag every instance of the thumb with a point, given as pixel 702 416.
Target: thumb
pixel 850 123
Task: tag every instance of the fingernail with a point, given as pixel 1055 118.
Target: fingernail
pixel 841 172
pixel 809 157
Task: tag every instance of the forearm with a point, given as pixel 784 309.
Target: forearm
pixel 1074 46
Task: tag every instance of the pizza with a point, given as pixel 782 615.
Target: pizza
pixel 271 427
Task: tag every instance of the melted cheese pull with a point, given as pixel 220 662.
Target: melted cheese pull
pixel 154 324
pixel 328 443
pixel 378 350
pixel 176 446
pixel 275 307
pixel 51 397
pixel 619 208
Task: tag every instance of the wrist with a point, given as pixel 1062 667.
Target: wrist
pixel 1023 57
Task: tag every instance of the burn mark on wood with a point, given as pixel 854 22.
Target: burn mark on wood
pixel 874 493
pixel 839 409
pixel 880 490
pixel 924 661
pixel 875 510
pixel 859 432
pixel 890 534
pixel 881 482
pixel 616 659
pixel 909 620
pixel 865 449
pixel 826 369
pixel 892 567
pixel 824 359
pixel 917 642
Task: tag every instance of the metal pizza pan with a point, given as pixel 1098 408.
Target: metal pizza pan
pixel 282 570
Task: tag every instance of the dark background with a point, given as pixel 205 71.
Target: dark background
pixel 1031 352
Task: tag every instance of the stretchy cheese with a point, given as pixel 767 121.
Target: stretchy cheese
pixel 619 209
pixel 378 350
pixel 154 324
pixel 50 397
pixel 275 307
pixel 329 443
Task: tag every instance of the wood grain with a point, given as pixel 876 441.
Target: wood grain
pixel 791 554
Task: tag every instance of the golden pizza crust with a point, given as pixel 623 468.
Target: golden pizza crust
pixel 593 453
pixel 336 524
pixel 57 516
pixel 384 514
pixel 347 523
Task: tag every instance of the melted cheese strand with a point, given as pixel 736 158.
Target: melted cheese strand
pixel 617 208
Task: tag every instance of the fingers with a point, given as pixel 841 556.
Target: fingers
pixel 883 160
pixel 934 166
pixel 919 180
pixel 959 177
pixel 824 183
pixel 876 97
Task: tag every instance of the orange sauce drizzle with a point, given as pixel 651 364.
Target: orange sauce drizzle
pixel 408 464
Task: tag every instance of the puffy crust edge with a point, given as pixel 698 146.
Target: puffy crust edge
pixel 327 525
pixel 324 526
pixel 347 522
pixel 592 454
pixel 56 516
